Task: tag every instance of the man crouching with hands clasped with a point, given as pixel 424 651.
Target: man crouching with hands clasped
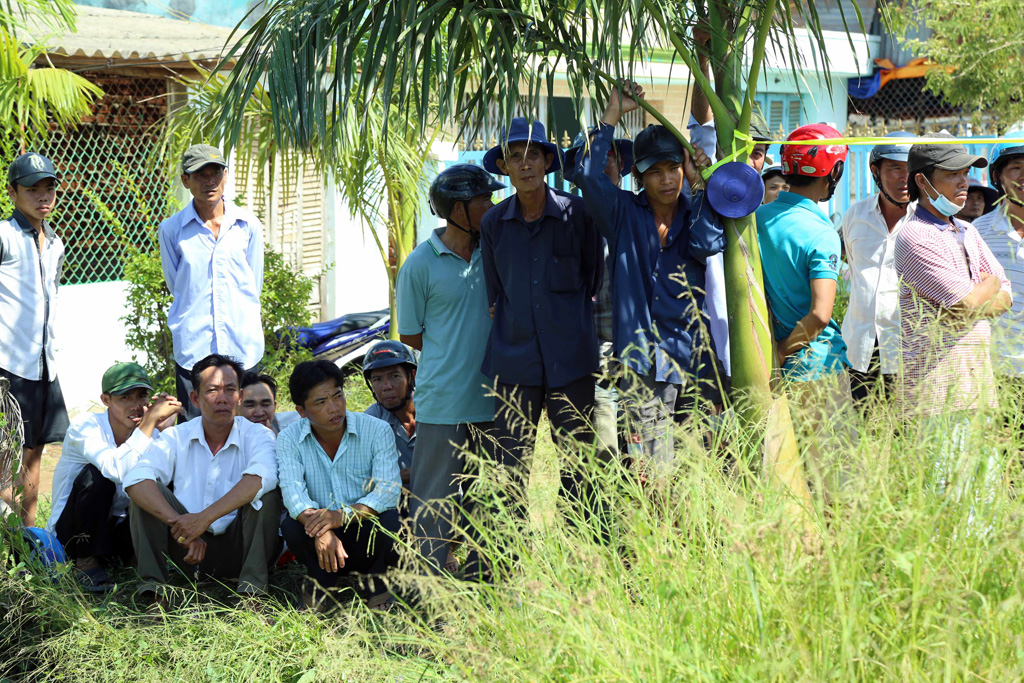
pixel 340 481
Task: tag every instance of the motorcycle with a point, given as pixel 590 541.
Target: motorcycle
pixel 344 340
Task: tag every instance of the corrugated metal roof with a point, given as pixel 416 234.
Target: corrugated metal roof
pixel 119 34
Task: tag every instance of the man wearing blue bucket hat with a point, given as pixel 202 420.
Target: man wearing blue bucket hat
pixel 871 327
pixel 543 265
pixel 658 241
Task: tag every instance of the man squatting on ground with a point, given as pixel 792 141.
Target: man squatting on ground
pixel 543 264
pixel 340 482
pixel 800 254
pixel 950 286
pixel 442 312
pixel 90 509
pixel 654 237
pixel 212 257
pixel 258 403
pixel 31 260
pixel 389 370
pixel 205 493
pixel 871 327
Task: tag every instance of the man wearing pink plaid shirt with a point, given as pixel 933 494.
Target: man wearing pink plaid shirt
pixel 950 286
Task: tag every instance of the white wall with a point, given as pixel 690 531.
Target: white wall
pixel 90 339
pixel 358 281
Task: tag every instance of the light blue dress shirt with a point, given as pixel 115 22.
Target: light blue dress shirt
pixel 364 470
pixel 216 284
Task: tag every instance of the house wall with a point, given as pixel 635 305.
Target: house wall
pixel 90 338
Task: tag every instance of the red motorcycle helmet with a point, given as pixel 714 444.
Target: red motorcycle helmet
pixel 816 160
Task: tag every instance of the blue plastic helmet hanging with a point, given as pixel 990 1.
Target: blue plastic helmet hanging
pixel 734 188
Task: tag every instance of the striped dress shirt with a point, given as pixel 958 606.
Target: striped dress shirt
pixel 363 471
pixel 1008 329
pixel 946 363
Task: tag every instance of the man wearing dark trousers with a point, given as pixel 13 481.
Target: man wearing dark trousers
pixel 340 481
pixel 90 509
pixel 31 260
pixel 205 493
pixel 212 257
pixel 543 262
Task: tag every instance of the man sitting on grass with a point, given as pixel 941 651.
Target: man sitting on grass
pixel 89 514
pixel 205 493
pixel 258 403
pixel 340 481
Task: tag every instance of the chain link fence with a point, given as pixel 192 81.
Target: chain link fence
pixel 93 161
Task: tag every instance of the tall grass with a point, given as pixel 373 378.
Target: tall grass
pixel 705 581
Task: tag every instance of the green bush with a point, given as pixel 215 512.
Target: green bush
pixel 284 300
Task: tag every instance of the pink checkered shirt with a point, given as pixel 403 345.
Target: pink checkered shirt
pixel 945 357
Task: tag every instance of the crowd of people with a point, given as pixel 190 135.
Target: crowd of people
pixel 606 310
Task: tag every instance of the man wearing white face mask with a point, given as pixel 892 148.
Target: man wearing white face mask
pixel 950 286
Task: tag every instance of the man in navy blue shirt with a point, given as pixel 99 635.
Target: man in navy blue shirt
pixel 543 264
pixel 659 241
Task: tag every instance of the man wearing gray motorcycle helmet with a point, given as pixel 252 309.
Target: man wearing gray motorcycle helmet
pixel 442 312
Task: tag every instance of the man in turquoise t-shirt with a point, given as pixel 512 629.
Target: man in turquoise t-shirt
pixel 442 311
pixel 800 255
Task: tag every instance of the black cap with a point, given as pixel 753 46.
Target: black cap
pixel 942 157
pixel 29 169
pixel 197 156
pixel 653 144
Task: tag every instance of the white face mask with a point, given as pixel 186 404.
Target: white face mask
pixel 941 203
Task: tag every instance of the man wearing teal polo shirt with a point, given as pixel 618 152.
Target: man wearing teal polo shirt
pixel 800 254
pixel 442 311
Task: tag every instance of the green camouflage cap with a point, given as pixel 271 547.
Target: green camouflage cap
pixel 197 156
pixel 121 378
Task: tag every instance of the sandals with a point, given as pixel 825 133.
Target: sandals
pixel 95 580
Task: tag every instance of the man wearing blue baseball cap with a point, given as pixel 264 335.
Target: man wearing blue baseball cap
pixel 543 265
pixel 31 260
pixel 1003 232
pixel 212 257
pixel 871 327
pixel 659 241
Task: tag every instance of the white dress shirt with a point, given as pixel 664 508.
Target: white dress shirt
pixel 706 137
pixel 182 457
pixel 874 311
pixel 28 298
pixel 90 441
pixel 216 285
pixel 1008 329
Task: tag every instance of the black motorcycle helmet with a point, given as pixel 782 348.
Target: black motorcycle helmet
pixel 460 183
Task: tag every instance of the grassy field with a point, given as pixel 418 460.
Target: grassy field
pixel 706 582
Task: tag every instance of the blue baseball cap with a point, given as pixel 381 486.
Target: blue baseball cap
pixel 521 130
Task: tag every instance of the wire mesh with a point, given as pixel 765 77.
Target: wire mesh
pixel 92 159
